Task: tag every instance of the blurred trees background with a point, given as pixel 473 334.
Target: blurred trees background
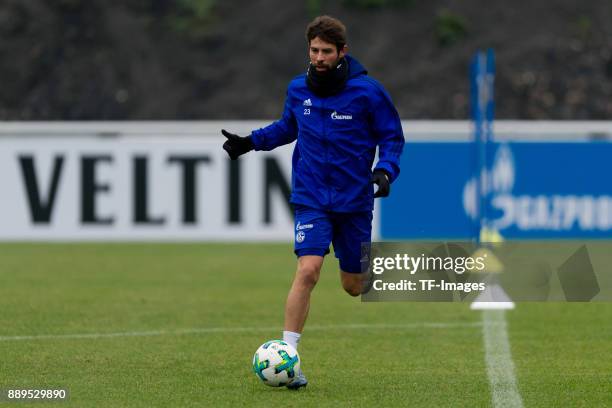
pixel 213 59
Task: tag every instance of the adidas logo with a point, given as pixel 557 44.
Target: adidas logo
pixel 307 102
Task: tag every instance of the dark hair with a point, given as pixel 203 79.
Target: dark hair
pixel 328 29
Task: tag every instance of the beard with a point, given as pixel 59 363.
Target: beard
pixel 327 80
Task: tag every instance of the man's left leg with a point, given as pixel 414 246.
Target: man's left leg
pixel 350 231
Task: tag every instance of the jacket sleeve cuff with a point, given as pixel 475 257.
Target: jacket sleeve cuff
pixel 257 139
pixel 388 169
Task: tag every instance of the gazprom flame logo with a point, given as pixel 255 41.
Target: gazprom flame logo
pixel 338 116
pixel 498 180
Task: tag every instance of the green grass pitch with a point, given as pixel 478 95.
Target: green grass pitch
pixel 177 325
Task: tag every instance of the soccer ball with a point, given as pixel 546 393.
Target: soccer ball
pixel 276 363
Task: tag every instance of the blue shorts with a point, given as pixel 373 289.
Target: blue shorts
pixel 316 229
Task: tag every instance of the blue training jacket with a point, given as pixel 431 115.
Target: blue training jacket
pixel 336 141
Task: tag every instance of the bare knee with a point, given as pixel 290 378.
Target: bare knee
pixel 352 283
pixel 353 290
pixel 308 272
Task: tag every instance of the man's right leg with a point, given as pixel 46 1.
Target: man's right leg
pixel 313 235
pixel 298 300
pixel 312 238
pixel 298 304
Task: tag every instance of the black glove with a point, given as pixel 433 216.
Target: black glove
pixel 381 178
pixel 236 145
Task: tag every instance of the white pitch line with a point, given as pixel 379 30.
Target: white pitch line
pixel 208 330
pixel 500 367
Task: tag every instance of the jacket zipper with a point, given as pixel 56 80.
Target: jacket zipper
pixel 326 145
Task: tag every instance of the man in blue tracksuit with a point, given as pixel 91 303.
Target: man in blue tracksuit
pixel 339 116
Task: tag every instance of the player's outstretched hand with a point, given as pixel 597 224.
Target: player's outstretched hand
pixel 235 145
pixel 380 178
